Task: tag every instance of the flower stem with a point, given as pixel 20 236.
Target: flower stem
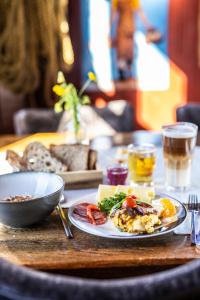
pixel 86 84
pixel 76 119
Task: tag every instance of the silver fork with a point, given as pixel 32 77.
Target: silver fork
pixel 193 206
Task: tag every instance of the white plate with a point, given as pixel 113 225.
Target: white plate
pixel 108 230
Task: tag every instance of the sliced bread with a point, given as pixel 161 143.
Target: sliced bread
pixel 92 160
pixel 38 158
pixel 75 156
pixel 15 161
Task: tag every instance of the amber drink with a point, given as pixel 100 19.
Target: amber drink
pixel 179 142
pixel 141 163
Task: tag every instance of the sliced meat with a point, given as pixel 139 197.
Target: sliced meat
pixel 81 218
pixel 81 209
pixel 81 213
pixel 98 215
pixel 101 221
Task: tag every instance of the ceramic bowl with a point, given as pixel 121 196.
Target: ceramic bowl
pixel 45 188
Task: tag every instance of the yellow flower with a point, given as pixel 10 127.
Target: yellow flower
pixel 58 90
pixel 92 76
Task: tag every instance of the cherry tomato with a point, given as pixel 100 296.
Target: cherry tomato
pixel 132 196
pixel 129 202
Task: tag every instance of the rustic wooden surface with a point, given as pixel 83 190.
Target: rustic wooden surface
pixel 8 139
pixel 45 247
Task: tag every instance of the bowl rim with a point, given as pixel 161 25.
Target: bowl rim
pixel 37 198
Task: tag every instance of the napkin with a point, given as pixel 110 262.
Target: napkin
pixel 185 227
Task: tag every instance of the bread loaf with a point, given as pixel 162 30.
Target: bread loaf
pixel 92 160
pixel 38 158
pixel 58 159
pixel 75 156
pixel 15 161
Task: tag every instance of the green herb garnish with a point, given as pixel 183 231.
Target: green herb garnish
pixel 107 203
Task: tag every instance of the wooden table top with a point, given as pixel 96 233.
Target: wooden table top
pixel 8 139
pixel 44 246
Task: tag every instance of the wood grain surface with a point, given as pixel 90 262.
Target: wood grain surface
pixel 46 247
pixel 7 139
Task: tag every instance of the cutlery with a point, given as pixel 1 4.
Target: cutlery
pixel 165 224
pixel 64 222
pixel 193 207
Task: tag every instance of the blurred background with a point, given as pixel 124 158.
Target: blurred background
pixel 145 55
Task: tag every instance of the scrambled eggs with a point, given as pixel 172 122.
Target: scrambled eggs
pixel 135 224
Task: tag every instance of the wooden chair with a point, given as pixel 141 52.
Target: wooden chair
pixel 33 120
pixel 117 114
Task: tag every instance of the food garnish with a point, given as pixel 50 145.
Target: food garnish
pixel 130 201
pixel 169 208
pixel 107 203
pixel 145 193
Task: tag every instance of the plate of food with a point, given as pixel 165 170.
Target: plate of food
pixel 124 212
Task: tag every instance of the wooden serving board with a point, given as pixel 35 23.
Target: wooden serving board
pixel 73 180
pixel 82 179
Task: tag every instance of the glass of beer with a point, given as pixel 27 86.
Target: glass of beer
pixel 179 142
pixel 141 163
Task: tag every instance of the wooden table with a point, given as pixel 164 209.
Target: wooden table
pixel 45 247
pixel 8 139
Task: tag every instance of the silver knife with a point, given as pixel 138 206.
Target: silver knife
pixel 64 222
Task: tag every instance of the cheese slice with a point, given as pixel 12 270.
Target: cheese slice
pixel 146 193
pixel 105 191
pixel 127 189
pixel 143 193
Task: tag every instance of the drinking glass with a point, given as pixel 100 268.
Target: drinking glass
pixel 179 142
pixel 117 174
pixel 141 163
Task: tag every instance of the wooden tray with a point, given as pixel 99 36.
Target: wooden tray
pixel 73 180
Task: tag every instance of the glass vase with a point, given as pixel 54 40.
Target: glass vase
pixel 73 136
